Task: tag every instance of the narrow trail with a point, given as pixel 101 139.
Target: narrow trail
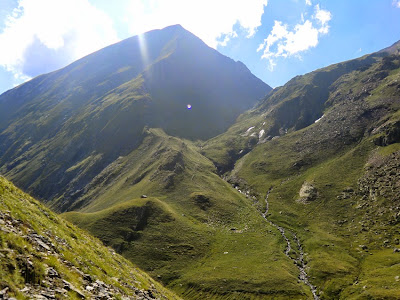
pixel 299 260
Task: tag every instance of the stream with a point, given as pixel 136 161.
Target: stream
pixel 299 261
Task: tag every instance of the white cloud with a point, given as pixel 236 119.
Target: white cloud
pixel 323 17
pixel 282 42
pixel 51 22
pixel 308 2
pixel 396 3
pixel 212 21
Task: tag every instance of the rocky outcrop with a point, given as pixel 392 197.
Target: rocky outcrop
pixel 389 134
pixel 378 198
pixel 43 281
pixel 381 178
pixel 307 193
pixel 42 256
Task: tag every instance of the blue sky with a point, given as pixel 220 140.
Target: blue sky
pixel 276 39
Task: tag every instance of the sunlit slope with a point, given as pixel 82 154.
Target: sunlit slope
pixel 194 231
pixel 59 130
pixel 297 104
pixel 42 254
pixel 334 180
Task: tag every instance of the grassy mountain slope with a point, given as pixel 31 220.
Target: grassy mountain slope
pixel 89 113
pixel 42 255
pixel 323 150
pixel 333 180
pixel 193 231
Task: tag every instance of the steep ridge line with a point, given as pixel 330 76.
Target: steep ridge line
pixel 299 261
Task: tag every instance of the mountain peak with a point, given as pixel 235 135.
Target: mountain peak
pixel 168 79
pixel 175 26
pixel 169 31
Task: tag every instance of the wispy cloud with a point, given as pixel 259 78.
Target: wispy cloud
pixel 212 21
pixel 283 42
pixel 308 2
pixel 47 24
pixel 396 3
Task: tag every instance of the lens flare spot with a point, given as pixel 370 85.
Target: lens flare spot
pixel 143 49
pixel 189 106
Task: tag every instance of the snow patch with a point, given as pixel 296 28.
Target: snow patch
pixel 317 120
pixel 261 133
pixel 248 130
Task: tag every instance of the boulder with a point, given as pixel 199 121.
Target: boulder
pixel 307 193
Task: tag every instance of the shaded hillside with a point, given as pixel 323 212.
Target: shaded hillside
pixel 43 256
pixel 91 112
pixel 329 161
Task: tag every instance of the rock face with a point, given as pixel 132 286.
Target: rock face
pixel 379 189
pixel 307 193
pixel 381 178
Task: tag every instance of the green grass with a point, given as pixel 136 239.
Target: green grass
pixel 378 278
pixel 191 218
pixel 328 227
pixel 384 151
pixel 193 231
pixel 183 185
pixel 332 155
